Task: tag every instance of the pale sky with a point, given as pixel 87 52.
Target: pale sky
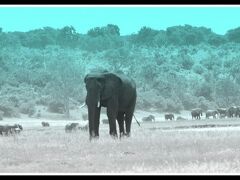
pixel 129 18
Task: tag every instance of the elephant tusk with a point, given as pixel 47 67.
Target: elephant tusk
pixel 82 105
pixel 98 104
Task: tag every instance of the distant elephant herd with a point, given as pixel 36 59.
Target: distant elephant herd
pixel 197 113
pixel 233 111
pixel 17 128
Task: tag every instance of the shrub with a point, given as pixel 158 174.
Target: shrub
pixel 185 61
pixel 43 100
pixel 189 101
pixel 173 106
pixel 198 69
pixel 205 104
pixel 28 108
pixel 8 110
pixel 56 107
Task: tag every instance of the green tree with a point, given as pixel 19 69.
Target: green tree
pixel 67 75
pixel 68 37
pixel 233 35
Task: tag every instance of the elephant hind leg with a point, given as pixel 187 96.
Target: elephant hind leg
pixel 112 122
pixel 128 122
pixel 120 119
pixel 97 122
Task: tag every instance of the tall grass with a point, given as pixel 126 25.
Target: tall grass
pixel 51 150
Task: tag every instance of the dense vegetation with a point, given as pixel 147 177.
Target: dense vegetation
pixel 182 67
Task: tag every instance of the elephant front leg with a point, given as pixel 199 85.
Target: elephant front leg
pixel 97 122
pixel 120 119
pixel 112 115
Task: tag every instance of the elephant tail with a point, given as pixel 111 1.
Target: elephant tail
pixel 136 120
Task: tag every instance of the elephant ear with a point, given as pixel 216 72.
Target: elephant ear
pixel 85 78
pixel 112 85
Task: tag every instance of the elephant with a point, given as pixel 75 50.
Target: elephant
pixel 16 128
pixel 115 91
pixel 222 112
pixel 232 111
pixel 8 129
pixel 196 113
pixel 45 124
pixel 5 129
pixel 72 127
pixel 149 118
pixel 169 116
pixel 212 113
pixel 238 111
pixel 83 128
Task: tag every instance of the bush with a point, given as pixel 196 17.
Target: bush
pixel 233 35
pixel 173 106
pixel 28 108
pixel 43 100
pixel 56 107
pixel 189 101
pixel 8 110
pixel 205 104
pixel 198 69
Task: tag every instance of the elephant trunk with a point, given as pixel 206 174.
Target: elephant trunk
pixel 93 103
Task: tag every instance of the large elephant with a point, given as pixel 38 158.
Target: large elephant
pixel 117 93
pixel 222 112
pixel 196 113
pixel 212 113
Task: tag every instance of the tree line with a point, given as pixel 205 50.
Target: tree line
pixel 179 68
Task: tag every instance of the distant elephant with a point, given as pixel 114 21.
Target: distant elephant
pixel 45 124
pixel 169 116
pixel 196 113
pixel 8 129
pixel 16 128
pixel 149 118
pixel 84 128
pixel 232 111
pixel 117 93
pixel 212 113
pixel 238 111
pixel 222 112
pixel 72 127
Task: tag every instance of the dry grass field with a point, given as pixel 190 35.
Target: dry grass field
pixel 154 148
